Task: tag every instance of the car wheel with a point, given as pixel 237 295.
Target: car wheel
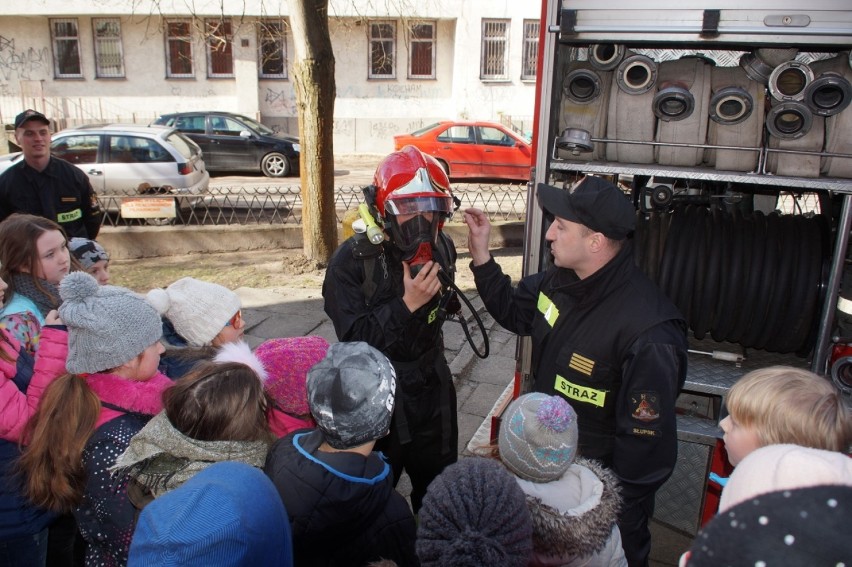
pixel 275 165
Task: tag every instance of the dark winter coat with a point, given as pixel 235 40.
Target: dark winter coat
pixel 106 517
pixel 342 506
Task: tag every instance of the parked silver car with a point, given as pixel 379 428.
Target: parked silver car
pixel 128 160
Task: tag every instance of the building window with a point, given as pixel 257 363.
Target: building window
pixel 220 48
pixel 66 49
pixel 109 57
pixel 529 64
pixel 382 50
pixel 179 49
pixel 272 49
pixel 421 51
pixel 495 50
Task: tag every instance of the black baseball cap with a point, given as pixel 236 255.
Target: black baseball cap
pixel 595 203
pixel 28 115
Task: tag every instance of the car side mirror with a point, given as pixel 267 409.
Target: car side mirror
pixel 245 134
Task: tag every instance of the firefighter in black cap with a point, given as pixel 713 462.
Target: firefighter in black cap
pixel 603 336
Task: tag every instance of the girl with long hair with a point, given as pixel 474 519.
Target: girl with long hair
pixel 87 416
pixel 218 412
pixel 34 257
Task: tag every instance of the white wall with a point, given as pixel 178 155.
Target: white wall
pixel 367 112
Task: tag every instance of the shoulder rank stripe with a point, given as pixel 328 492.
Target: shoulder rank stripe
pixel 582 364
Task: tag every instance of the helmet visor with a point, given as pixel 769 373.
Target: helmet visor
pixel 415 205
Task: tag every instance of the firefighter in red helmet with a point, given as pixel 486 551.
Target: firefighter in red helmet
pixel 389 294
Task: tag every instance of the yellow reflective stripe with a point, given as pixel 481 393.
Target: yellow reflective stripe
pixel 580 393
pixel 581 364
pixel 432 316
pixel 548 309
pixel 69 216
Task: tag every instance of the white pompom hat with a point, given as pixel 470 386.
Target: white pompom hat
pixel 198 310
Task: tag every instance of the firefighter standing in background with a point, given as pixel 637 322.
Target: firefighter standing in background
pixel 603 336
pixel 46 186
pixel 388 293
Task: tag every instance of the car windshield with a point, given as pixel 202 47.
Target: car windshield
pixel 257 126
pixel 187 148
pixel 425 129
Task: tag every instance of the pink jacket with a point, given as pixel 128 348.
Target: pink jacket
pixel 17 407
pixel 128 395
pixel 282 423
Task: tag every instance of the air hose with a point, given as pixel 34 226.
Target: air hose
pixel 457 316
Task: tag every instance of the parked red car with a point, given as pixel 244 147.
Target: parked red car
pixel 473 149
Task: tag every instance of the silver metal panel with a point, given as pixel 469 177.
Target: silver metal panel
pixel 711 376
pixel 826 22
pixel 698 174
pixel 680 500
pixel 697 430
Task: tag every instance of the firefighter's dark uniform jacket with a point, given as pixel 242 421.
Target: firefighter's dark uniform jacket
pixel 61 193
pixel 363 291
pixel 614 347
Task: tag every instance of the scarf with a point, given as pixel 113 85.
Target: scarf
pixel 162 458
pixel 26 286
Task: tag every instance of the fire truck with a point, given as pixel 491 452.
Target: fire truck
pixel 728 124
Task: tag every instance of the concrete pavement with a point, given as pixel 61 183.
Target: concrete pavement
pixel 480 383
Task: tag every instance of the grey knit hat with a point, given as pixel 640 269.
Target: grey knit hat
pixel 474 514
pixel 107 325
pixel 351 394
pixel 538 437
pixel 88 252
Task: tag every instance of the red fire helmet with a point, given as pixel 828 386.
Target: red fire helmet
pixel 409 181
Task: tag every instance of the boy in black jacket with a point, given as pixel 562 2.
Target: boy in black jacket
pixel 338 492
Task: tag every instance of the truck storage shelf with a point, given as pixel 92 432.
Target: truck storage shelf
pixel 711 376
pixel 694 429
pixel 704 174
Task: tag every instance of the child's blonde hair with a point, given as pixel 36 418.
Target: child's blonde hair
pixel 789 405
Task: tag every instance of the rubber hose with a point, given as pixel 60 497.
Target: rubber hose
pixel 702 242
pixel 703 318
pixel 822 228
pixel 652 252
pixel 684 273
pixel 755 266
pixel 771 249
pixel 784 334
pixel 742 314
pixel 801 304
pixel 640 237
pixel 781 284
pixel 670 252
pixel 729 298
pixel 719 306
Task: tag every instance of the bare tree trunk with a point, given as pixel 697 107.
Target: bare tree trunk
pixel 313 79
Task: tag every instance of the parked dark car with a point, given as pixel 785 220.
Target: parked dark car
pixel 232 142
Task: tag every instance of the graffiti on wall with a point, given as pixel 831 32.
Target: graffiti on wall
pixel 282 102
pixel 24 63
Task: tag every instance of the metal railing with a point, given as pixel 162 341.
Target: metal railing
pixel 282 204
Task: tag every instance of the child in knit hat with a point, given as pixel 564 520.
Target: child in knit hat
pixel 217 412
pixel 338 492
pixel 574 503
pixel 196 315
pixel 202 313
pixel 228 515
pixel 287 362
pixel 87 417
pixel 781 404
pixel 474 515
pixel 92 257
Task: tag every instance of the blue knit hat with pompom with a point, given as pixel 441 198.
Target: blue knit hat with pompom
pixel 107 325
pixel 538 437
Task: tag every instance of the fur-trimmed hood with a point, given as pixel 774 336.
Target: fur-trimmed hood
pixel 573 516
